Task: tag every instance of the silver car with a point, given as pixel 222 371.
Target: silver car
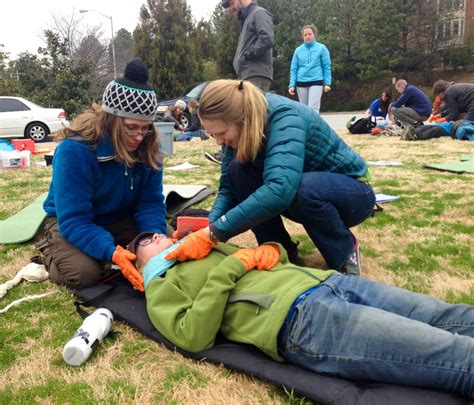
pixel 22 118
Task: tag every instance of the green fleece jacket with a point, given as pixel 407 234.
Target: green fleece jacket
pixel 197 299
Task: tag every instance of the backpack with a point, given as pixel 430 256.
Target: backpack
pixel 361 126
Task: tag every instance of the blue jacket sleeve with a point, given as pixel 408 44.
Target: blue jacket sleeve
pixel 294 69
pixel 150 213
pixel 225 199
pixel 404 97
pixel 326 65
pixel 283 168
pixel 73 192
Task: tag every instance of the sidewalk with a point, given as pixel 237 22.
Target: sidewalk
pixel 337 121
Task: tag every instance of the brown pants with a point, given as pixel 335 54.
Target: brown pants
pixel 69 266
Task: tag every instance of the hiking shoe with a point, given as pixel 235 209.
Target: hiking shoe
pixel 408 133
pixel 352 265
pixel 214 157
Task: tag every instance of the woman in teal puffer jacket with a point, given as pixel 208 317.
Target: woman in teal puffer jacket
pixel 310 71
pixel 281 158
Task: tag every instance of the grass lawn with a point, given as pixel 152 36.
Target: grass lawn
pixel 422 242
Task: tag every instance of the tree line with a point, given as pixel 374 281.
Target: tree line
pixel 368 40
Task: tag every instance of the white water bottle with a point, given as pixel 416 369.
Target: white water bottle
pixel 94 328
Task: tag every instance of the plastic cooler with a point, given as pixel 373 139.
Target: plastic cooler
pixel 165 137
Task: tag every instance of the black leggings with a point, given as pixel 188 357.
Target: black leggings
pixel 424 132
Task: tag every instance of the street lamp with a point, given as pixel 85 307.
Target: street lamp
pixel 112 28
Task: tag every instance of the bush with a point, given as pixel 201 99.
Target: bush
pixel 459 57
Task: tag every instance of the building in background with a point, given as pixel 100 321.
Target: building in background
pixel 456 23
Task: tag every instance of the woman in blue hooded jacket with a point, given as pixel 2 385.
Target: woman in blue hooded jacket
pixel 310 71
pixel 106 185
pixel 281 158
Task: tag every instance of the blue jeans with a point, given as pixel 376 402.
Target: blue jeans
pixel 363 330
pixel 326 204
pixel 187 136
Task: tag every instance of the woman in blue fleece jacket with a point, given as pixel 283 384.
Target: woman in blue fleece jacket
pixel 310 70
pixel 106 185
pixel 281 158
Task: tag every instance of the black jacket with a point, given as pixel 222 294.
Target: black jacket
pixel 254 53
pixel 459 98
pixel 195 123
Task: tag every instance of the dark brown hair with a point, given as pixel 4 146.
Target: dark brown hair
pixel 384 104
pixel 439 87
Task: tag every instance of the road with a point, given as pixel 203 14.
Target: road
pixel 337 121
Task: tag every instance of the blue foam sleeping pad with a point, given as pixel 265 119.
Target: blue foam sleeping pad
pixel 129 306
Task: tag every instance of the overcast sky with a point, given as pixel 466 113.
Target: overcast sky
pixel 22 21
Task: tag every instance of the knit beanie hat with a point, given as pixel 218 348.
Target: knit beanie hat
pixel 131 96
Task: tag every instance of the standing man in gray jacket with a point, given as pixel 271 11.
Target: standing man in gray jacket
pixel 253 60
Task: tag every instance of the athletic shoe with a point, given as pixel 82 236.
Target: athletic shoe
pixel 352 265
pixel 393 131
pixel 408 133
pixel 214 157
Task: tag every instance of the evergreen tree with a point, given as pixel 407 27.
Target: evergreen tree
pixel 415 21
pixel 124 49
pixel 164 41
pixel 68 83
pixel 378 31
pixel 226 34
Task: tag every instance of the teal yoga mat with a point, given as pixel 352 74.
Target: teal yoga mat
pixel 24 225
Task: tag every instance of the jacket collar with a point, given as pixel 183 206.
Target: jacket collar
pixel 105 150
pixel 244 12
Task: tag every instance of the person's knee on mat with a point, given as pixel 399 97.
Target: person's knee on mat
pixel 80 276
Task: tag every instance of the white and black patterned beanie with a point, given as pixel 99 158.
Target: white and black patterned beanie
pixel 131 96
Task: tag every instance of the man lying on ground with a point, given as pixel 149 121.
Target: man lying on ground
pixel 331 323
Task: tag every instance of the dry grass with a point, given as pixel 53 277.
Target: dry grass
pixel 412 243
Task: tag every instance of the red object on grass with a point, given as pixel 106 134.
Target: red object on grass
pixel 24 144
pixel 186 225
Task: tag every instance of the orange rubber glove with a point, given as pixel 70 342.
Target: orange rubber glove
pixel 123 258
pixel 433 117
pixel 264 257
pixel 194 247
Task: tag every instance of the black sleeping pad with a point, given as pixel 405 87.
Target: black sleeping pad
pixel 128 305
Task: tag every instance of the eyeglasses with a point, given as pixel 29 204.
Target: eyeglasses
pixel 148 239
pixel 145 241
pixel 144 132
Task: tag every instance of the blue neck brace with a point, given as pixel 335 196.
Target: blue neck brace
pixel 158 265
